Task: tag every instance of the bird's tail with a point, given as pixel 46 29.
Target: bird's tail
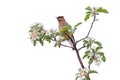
pixel 71 40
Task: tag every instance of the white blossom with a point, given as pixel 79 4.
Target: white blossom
pixel 52 31
pixel 82 73
pixel 34 34
pixel 98 59
pixel 91 54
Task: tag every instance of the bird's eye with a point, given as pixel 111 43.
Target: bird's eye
pixel 60 17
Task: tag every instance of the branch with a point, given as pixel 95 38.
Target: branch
pixel 81 48
pixel 81 40
pixel 89 66
pixel 54 39
pixel 77 51
pixel 94 19
pixel 65 46
pixel 79 58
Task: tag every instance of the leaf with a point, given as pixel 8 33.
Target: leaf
pixel 43 35
pixel 55 45
pixel 59 44
pixel 100 9
pixel 93 50
pixel 98 43
pixel 85 42
pixel 87 17
pixel 31 30
pixel 48 39
pixel 103 58
pixel 90 61
pixel 89 12
pixel 34 42
pixel 98 48
pixel 92 71
pixel 88 8
pixel 78 24
pixel 41 42
pixel 76 78
pixel 88 46
pixel 86 54
pixel 101 53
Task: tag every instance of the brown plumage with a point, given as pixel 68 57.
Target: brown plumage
pixel 61 23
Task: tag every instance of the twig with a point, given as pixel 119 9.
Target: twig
pixel 81 47
pixel 94 19
pixel 54 39
pixel 89 66
pixel 81 40
pixel 65 46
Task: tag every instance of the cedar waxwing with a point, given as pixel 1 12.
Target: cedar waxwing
pixel 62 23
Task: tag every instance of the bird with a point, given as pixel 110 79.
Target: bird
pixel 66 34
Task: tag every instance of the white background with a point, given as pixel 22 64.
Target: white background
pixel 20 60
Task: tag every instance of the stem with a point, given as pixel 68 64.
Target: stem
pixel 65 46
pixel 79 58
pixel 89 66
pixel 77 50
pixel 94 19
pixel 54 39
pixel 81 47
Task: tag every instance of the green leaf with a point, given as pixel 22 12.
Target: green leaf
pixel 43 35
pixel 89 12
pixel 86 54
pixel 31 30
pixel 93 50
pixel 59 44
pixel 88 8
pixel 98 48
pixel 76 78
pixel 103 58
pixel 87 17
pixel 85 42
pixel 101 53
pixel 98 43
pixel 90 61
pixel 41 42
pixel 34 42
pixel 78 24
pixel 48 38
pixel 100 9
pixel 88 46
pixel 55 45
pixel 92 71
